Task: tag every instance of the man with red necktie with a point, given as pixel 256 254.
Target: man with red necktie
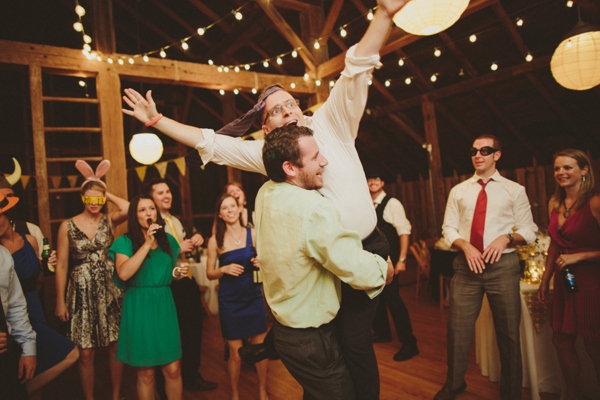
pixel 486 217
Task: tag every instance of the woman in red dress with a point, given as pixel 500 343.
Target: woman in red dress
pixel 575 232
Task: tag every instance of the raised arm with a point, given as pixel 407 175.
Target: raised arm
pixel 119 216
pixel 144 109
pixel 379 29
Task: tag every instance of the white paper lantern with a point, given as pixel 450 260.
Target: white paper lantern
pixel 428 17
pixel 145 148
pixel 575 63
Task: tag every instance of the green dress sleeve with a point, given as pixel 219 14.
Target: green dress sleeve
pixel 175 249
pixel 123 246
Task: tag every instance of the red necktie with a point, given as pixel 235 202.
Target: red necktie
pixel 479 218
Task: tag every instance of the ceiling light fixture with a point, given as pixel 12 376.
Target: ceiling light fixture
pixel 428 17
pixel 575 63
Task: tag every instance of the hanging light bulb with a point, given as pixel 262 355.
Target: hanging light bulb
pixel 318 82
pixel 238 15
pixel 317 46
pixel 87 47
pixel 220 69
pixel 331 84
pixel 401 62
pixel 222 92
pixel 236 91
pixel 279 61
pixel 131 60
pixel 146 148
pixel 575 63
pixel 163 53
pixel 519 22
pixel 473 38
pixel 433 77
pixel 293 85
pixel 306 75
pixel 428 17
pixel 98 58
pixel 247 67
pixel 121 62
pixel 78 26
pixel 236 69
pixel 226 69
pixel 79 10
pixel 87 39
pixel 201 31
pixel 408 81
pixel 437 52
pixel 211 62
pixel 343 32
pixel 82 83
pixel 570 3
pixel 370 15
pixel 494 66
pixel 254 90
pixel 388 83
pixel 184 45
pixel 146 58
pixel 110 60
pixel 528 57
pixel 294 53
pixel 266 64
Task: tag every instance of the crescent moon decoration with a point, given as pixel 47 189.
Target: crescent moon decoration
pixel 16 175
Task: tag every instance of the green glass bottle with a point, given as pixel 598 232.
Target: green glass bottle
pixel 47 269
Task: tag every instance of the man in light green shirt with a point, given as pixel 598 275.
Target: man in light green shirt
pixel 304 252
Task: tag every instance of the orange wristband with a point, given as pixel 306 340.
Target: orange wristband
pixel 154 120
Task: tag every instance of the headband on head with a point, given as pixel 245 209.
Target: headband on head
pixel 88 172
pixel 242 124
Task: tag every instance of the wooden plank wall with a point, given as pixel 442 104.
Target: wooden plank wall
pixel 416 197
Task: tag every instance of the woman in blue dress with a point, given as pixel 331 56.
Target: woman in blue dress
pixel 55 353
pixel 241 309
pixel 149 331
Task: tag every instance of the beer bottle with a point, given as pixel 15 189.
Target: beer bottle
pixel 47 269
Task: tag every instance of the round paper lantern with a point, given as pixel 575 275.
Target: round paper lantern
pixel 428 17
pixel 145 148
pixel 575 63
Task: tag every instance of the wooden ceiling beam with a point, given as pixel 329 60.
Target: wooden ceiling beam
pixel 163 71
pixel 332 17
pixel 468 85
pixel 511 28
pixel 288 33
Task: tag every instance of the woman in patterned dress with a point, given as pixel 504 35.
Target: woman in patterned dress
pixel 90 300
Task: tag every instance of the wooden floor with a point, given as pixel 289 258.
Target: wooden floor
pixel 418 378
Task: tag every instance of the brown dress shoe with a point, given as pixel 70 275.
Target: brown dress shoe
pixel 447 394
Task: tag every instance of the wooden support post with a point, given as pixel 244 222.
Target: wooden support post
pixel 438 199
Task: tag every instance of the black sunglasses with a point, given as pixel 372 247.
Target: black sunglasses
pixel 485 151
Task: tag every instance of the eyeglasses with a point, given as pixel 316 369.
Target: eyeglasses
pixel 289 104
pixel 484 151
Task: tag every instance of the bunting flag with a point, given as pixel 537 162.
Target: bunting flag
pixel 56 181
pixel 25 180
pixel 180 163
pixel 162 168
pixel 72 180
pixel 141 173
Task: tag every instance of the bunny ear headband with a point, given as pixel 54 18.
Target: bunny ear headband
pixel 88 172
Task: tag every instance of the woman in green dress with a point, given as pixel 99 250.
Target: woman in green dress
pixel 149 332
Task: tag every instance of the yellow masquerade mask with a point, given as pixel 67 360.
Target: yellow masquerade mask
pixel 89 200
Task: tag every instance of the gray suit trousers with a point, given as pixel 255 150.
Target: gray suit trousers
pixel 501 283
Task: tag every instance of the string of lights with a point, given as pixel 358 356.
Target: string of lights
pixel 237 14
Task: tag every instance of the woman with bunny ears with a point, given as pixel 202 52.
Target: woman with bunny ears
pixel 90 300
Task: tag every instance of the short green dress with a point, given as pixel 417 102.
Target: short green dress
pixel 149 332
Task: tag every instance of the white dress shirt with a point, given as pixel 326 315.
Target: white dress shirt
pixel 335 126
pixel 507 207
pixel 394 214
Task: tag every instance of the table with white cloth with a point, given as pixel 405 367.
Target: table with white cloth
pixel 209 288
pixel 541 371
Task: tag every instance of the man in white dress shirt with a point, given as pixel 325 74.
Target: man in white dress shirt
pixel 486 217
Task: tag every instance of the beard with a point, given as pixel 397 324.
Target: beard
pixel 310 181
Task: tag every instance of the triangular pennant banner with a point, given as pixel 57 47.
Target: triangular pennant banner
pixel 56 181
pixel 180 162
pixel 25 180
pixel 72 180
pixel 162 168
pixel 141 173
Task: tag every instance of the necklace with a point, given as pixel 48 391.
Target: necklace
pixel 239 238
pixel 567 211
